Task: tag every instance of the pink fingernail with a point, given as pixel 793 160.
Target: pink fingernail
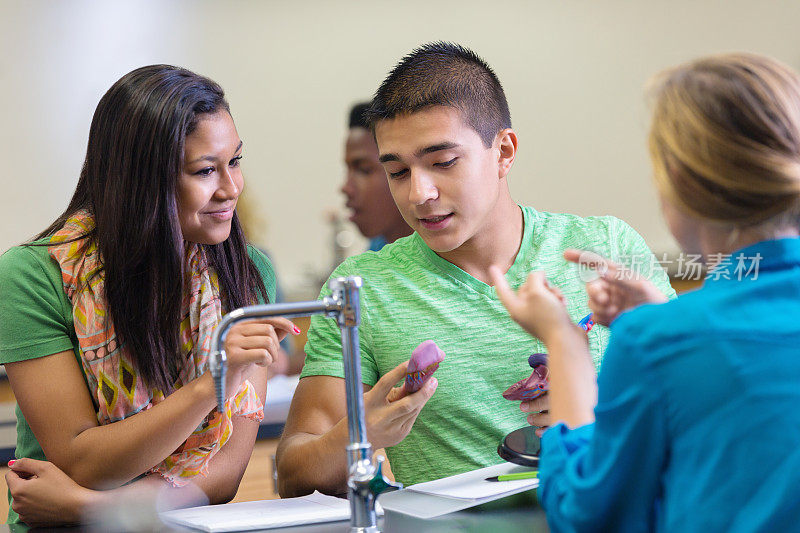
pixel 11 462
pixel 296 330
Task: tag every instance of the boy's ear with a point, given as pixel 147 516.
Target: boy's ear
pixel 506 142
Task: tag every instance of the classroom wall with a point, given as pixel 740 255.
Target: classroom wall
pixel 573 71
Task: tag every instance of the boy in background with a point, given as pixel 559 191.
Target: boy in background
pixel 372 208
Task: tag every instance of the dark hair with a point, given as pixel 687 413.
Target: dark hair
pixel 358 116
pixel 129 182
pixel 444 74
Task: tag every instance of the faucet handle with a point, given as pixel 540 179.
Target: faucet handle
pixel 380 483
pixel 365 483
pixel 367 478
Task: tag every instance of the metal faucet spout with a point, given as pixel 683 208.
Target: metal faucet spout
pixel 218 360
pixel 365 479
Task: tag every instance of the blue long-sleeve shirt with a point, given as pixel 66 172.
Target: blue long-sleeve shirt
pixel 698 419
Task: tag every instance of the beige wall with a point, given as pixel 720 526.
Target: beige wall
pixel 573 72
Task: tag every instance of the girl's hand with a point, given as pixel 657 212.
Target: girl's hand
pixel 254 342
pixel 616 290
pixel 44 495
pixel 536 306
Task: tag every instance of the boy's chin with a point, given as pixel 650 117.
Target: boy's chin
pixel 440 244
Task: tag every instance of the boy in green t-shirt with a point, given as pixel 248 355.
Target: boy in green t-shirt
pixel 443 129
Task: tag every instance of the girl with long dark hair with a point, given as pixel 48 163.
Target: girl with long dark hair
pixel 108 312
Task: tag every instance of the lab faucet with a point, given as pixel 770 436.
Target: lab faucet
pixel 365 478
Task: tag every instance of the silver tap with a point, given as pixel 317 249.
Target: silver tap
pixel 365 478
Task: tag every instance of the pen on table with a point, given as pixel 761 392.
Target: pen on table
pixel 512 477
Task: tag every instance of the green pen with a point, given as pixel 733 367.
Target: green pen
pixel 513 477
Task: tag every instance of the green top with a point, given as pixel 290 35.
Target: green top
pixel 36 319
pixel 410 295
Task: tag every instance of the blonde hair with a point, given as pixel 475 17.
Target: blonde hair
pixel 725 140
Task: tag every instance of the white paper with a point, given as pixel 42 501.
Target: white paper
pixel 473 485
pixel 263 514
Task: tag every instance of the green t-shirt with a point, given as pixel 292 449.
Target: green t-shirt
pixel 36 319
pixel 410 295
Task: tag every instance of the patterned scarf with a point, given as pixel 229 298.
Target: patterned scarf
pixel 116 388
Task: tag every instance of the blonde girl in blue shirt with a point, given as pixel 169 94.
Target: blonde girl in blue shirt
pixel 693 423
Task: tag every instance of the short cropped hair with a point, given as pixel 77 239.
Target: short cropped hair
pixel 358 116
pixel 444 74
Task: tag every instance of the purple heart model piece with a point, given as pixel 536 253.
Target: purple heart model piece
pixel 533 386
pixel 423 363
